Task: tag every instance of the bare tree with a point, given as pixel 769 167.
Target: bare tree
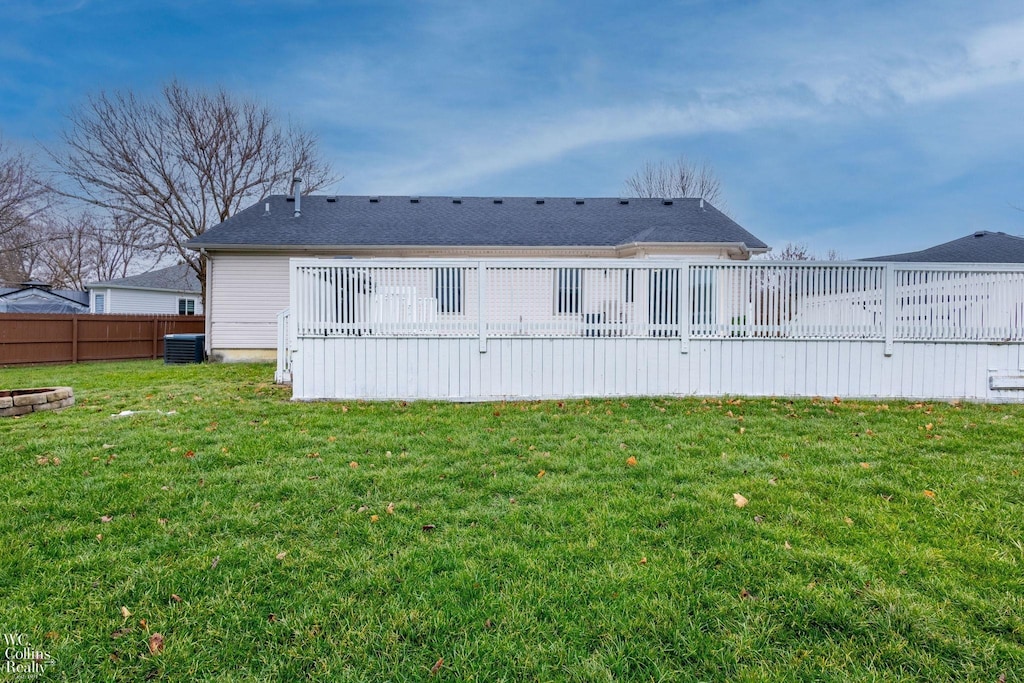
pixel 678 179
pixel 177 164
pixel 84 248
pixel 798 251
pixel 23 198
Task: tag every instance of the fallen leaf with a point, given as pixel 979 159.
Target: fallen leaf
pixel 272 618
pixel 124 612
pixel 740 500
pixel 631 461
pixel 362 509
pixel 99 537
pixel 743 430
pixel 390 509
pixel 929 494
pixel 437 666
pixel 929 426
pixel 143 623
pixel 773 481
pixel 353 464
pixel 162 521
pixel 175 597
pixel 429 527
pixel 758 519
pixel 849 522
pixel 374 519
pixel 746 595
pixel 281 555
pixel 344 409
pixel 56 462
pixel 787 546
pixel 106 519
pixel 190 454
pixel 156 643
pixel 216 561
pixel 121 632
pixel 866 465
pixel 488 624
pixel 643 560
pixel 109 445
pixel 541 474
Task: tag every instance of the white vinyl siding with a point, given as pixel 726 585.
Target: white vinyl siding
pixel 248 292
pixel 143 301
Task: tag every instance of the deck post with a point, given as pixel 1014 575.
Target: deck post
pixel 683 304
pixel 890 307
pixel 481 304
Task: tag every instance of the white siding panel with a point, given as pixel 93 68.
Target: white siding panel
pixel 145 301
pixel 439 368
pixel 248 292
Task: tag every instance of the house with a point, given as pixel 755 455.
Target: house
pixel 980 247
pixel 39 297
pixel 248 254
pixel 173 290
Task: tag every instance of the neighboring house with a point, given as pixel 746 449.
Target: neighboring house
pixel 248 254
pixel 172 291
pixel 981 247
pixel 39 297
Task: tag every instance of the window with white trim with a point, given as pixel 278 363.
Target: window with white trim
pixel 100 303
pixel 186 306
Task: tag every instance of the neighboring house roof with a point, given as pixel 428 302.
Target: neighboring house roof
pixel 34 297
pixel 179 278
pixel 980 247
pixel 363 221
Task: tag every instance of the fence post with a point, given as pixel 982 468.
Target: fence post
pixel 890 307
pixel 155 337
pixel 74 338
pixel 481 304
pixel 683 309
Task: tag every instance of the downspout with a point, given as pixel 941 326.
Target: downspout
pixel 208 303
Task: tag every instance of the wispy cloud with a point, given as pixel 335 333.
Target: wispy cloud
pixel 454 148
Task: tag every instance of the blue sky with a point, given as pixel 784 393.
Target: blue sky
pixel 866 127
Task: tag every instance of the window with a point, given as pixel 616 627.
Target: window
pixel 568 290
pixel 186 306
pixel 448 289
pixel 100 303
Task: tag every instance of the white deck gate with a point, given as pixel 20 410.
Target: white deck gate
pixel 496 329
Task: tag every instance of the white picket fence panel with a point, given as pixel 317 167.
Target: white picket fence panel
pixel 430 328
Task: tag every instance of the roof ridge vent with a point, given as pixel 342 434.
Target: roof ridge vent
pixel 374 199
pixel 456 200
pixel 415 199
pixel 979 233
pixel 623 200
pixel 579 200
pixel 332 199
pixel 666 202
pixel 538 201
pixel 498 200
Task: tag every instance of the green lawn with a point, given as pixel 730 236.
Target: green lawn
pixel 269 540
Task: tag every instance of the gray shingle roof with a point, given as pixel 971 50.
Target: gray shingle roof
pixel 475 222
pixel 179 278
pixel 980 247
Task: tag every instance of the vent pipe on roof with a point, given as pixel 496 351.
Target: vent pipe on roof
pixel 701 203
pixel 266 209
pixel 297 191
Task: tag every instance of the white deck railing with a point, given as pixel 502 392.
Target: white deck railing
pixel 654 299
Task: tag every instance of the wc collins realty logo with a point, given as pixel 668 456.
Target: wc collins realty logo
pixel 21 658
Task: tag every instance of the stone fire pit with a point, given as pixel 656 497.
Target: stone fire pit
pixel 21 401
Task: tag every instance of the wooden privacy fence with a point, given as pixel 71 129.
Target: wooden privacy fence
pixel 27 338
pixel 516 328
